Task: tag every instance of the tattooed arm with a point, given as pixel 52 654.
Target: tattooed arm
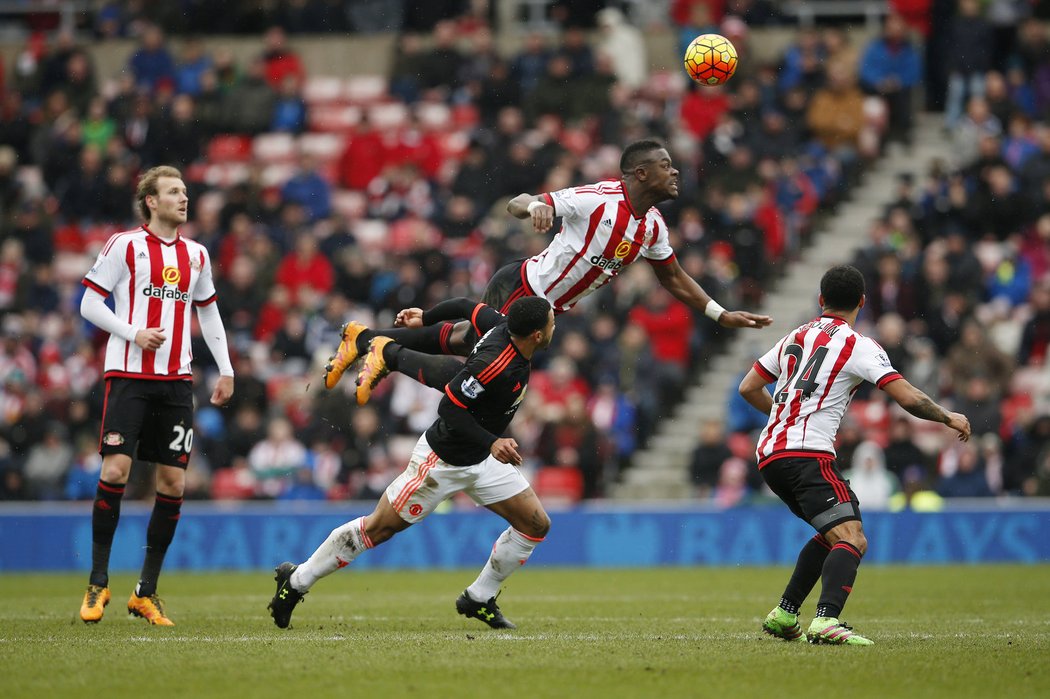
pixel 921 405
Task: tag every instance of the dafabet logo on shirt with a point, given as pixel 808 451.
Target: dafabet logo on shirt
pixel 171 275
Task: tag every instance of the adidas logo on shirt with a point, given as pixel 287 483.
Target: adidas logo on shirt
pixel 607 222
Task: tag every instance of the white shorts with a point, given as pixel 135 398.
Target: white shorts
pixel 428 481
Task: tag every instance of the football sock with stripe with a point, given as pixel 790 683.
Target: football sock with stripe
pixel 433 370
pixel 509 553
pixel 432 339
pixel 840 572
pixel 807 572
pixel 104 517
pixel 161 530
pixel 342 546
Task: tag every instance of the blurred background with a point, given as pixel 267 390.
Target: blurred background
pixel 349 158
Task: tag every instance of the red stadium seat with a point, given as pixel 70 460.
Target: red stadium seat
pixel 229 484
pixel 465 116
pixel 274 147
pixel 434 116
pixel 230 148
pixel 326 147
pixel 322 89
pixel 389 115
pixel 559 484
pixel 334 118
pixel 365 89
pixel 350 204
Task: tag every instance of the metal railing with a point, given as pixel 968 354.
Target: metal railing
pixel 806 12
pixel 66 10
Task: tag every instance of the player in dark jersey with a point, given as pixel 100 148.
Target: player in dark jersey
pixel 463 451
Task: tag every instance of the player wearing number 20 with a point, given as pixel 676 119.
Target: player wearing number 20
pixel 155 276
pixel 817 368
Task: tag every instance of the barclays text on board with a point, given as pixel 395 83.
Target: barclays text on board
pixel 215 537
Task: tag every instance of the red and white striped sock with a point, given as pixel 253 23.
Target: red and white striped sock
pixel 509 553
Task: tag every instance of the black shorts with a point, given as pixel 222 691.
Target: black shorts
pixel 149 420
pixel 814 490
pixel 505 287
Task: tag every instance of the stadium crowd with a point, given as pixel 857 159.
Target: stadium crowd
pixel 324 198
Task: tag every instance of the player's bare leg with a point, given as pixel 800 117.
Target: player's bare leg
pixel 529 524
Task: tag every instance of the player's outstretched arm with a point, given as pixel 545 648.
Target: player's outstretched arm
pixel 686 289
pixel 753 390
pixel 921 405
pixel 535 207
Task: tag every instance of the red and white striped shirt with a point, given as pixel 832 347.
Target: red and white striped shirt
pixel 601 233
pixel 817 367
pixel 154 282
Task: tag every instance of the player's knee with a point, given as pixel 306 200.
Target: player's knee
pixel 459 339
pixel 539 526
pixel 115 468
pixel 860 542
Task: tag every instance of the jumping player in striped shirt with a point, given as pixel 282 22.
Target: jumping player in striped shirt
pixel 463 451
pixel 605 227
pixel 155 275
pixel 817 368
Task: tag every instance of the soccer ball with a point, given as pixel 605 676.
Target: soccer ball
pixel 710 59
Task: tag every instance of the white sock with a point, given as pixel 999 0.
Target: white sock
pixel 509 553
pixel 343 545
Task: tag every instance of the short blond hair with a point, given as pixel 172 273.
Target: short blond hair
pixel 148 186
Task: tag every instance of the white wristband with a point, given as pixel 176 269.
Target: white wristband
pixel 713 311
pixel 532 206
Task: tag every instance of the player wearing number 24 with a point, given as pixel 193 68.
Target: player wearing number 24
pixel 817 367
pixel 155 276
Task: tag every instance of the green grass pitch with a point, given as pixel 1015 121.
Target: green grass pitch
pixel 973 631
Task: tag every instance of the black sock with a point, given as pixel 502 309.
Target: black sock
pixel 434 370
pixel 840 571
pixel 431 339
pixel 807 571
pixel 104 517
pixel 159 533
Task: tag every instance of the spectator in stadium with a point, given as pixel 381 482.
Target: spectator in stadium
pixel 710 453
pixel 1035 335
pixel 248 104
pixel 152 64
pixel 836 113
pixel 275 460
pixel 463 451
pixel 562 273
pixel 289 111
pixel 869 478
pixel 309 189
pixel 440 66
pixel 305 268
pixel 623 45
pixel 967 478
pixel 901 454
pixel 193 64
pixel 890 67
pixel 530 65
pixel 970 50
pixel 280 62
pixel 48 463
pixel 148 367
pixel 799 465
